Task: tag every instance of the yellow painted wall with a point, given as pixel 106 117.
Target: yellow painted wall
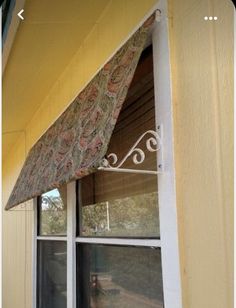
pixel 202 71
pixel 201 59
pixel 16 239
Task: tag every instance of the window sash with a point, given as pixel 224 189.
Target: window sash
pixel 120 241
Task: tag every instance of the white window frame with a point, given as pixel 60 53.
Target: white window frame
pixel 166 186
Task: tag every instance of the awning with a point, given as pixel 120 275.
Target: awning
pixel 76 143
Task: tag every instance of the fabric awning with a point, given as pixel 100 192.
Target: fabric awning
pixel 76 143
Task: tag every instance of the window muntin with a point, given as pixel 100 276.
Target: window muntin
pixel 52 212
pixel 51 274
pixel 118 276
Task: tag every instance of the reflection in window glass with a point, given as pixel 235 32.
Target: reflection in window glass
pixel 116 276
pixel 52 212
pixel 51 277
pixel 130 212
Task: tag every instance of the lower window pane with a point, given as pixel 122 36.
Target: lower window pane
pixel 118 276
pixel 51 274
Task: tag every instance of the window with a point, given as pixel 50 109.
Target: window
pixel 52 249
pixel 120 205
pixel 110 239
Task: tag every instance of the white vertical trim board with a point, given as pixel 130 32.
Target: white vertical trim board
pixel 71 254
pixel 34 255
pixel 166 180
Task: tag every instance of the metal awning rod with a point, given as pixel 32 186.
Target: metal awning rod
pixel 128 170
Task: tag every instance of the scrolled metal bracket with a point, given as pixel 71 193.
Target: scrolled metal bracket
pixel 153 144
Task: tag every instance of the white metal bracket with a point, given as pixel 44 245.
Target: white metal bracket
pixel 153 144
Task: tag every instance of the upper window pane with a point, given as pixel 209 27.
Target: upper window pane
pixel 126 204
pixel 120 205
pixel 52 212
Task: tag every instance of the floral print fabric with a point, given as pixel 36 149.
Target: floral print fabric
pixel 76 143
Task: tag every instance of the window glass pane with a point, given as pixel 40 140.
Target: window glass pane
pixel 52 212
pixel 126 204
pixel 129 209
pixel 116 276
pixel 51 274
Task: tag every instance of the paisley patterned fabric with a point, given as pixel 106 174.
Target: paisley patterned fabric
pixel 75 144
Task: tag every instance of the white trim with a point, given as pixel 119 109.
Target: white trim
pixel 71 254
pixel 119 241
pixel 166 180
pixel 34 254
pixel 51 238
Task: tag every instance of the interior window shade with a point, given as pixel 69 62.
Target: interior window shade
pixel 76 143
pixel 136 117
